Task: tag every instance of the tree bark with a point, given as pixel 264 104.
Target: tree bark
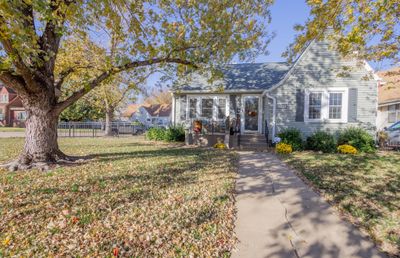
pixel 41 148
pixel 109 119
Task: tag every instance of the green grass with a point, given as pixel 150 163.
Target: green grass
pixel 365 187
pixel 11 129
pixel 141 199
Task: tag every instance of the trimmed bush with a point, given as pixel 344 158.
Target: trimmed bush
pixel 175 134
pixel 156 134
pixel 321 141
pixel 346 149
pixel 172 134
pixel 293 137
pixel 358 138
pixel 284 148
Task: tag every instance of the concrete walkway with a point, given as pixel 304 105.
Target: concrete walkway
pixel 279 216
pixel 12 134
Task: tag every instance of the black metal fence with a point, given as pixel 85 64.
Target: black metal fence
pixel 96 129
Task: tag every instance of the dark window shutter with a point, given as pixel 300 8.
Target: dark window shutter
pixel 300 105
pixel 183 108
pixel 353 99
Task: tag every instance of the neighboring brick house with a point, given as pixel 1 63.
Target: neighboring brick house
pixel 389 98
pixel 12 112
pixel 150 115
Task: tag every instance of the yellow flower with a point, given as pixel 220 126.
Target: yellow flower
pixel 7 241
pixel 346 149
pixel 284 148
pixel 220 145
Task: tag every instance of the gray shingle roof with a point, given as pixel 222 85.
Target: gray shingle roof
pixel 242 77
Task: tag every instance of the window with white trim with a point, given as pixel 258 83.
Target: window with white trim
pixel 335 105
pixel 394 113
pixel 315 105
pixel 4 98
pixel 221 108
pixel 328 105
pixel 193 108
pixel 21 116
pixel 207 107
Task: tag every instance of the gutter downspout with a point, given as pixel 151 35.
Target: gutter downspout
pixel 265 93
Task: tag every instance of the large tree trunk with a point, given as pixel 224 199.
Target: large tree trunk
pixel 41 147
pixel 109 119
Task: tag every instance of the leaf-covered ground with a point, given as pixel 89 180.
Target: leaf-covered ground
pixel 365 187
pixel 136 198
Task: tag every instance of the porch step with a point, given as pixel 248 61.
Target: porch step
pixel 253 142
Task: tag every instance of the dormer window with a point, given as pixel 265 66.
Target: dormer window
pixel 4 98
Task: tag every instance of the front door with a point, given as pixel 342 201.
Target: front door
pixel 251 113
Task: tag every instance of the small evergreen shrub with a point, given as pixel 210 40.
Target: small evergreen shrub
pixel 358 138
pixel 284 148
pixel 321 141
pixel 174 134
pixel 156 134
pixel 346 149
pixel 293 137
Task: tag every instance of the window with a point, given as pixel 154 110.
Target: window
pixel 21 116
pixel 1 114
pixel 193 108
pixel 335 105
pixel 328 105
pixel 315 105
pixel 221 107
pixel 4 98
pixel 393 113
pixel 207 107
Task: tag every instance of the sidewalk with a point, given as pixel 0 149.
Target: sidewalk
pixel 11 134
pixel 279 216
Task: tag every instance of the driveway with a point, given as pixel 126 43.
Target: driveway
pixel 280 216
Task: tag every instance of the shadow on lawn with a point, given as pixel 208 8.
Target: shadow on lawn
pixel 366 185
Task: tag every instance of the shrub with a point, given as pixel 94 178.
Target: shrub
pixel 346 149
pixel 284 148
pixel 156 134
pixel 175 134
pixel 321 141
pixel 358 138
pixel 293 137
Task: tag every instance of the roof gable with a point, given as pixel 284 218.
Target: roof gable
pixel 390 90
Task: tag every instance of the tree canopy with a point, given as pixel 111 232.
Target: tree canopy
pixel 186 33
pixel 364 29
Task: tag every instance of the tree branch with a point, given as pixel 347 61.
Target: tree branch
pixel 15 82
pixel 97 81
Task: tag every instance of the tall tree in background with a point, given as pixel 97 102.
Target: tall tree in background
pixel 364 29
pixel 171 34
pixel 158 96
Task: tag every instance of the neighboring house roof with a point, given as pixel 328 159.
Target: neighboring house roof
pixel 255 77
pixel 8 89
pixel 389 90
pixel 152 110
pixel 130 109
pixel 158 110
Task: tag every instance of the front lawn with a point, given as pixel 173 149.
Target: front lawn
pixel 135 199
pixel 364 187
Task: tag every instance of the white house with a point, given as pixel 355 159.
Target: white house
pixel 152 115
pixel 389 98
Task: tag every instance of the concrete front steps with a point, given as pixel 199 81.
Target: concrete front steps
pixel 255 142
